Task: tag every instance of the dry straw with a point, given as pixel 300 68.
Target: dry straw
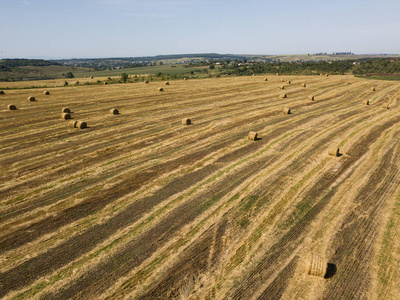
pixel 283 96
pixel 12 107
pixel 372 89
pixel 186 122
pixel 252 135
pixel 311 98
pixel 81 125
pixel 31 98
pixel 65 110
pixel 114 111
pixel 334 151
pixel 65 116
pixel 46 92
pixel 315 266
pixel 366 102
pixel 287 111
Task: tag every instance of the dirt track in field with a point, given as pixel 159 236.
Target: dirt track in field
pixel 140 206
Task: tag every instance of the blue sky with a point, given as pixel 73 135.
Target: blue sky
pixel 123 28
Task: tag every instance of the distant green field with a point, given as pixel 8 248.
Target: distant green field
pixel 387 77
pixel 165 69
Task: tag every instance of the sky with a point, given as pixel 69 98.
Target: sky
pixel 130 28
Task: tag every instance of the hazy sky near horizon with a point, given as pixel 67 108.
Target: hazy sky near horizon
pixel 127 28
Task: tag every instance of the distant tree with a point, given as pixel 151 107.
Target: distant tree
pixel 68 75
pixel 124 77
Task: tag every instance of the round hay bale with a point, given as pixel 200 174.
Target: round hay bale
pixel 326 75
pixel 287 111
pixel 289 82
pixel 167 83
pixel 114 111
pixel 303 85
pixel 65 116
pixel 283 96
pixel 105 82
pixel 372 89
pixel 265 79
pixel 81 125
pixel 185 78
pixel 72 124
pixel 311 98
pixel 186 122
pixel 385 105
pixel 146 82
pixel 252 135
pixel 254 74
pixel 46 92
pixel 315 266
pixel 348 82
pixel 91 77
pixel 366 102
pixel 65 110
pixel 282 80
pixel 11 107
pixel 1 92
pixel 160 89
pixel 334 151
pixel 277 74
pixel 282 87
pixel 321 74
pixel 31 98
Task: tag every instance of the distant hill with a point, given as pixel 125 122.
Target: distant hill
pixel 338 63
pixel 31 69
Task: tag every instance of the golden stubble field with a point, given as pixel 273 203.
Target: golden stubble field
pixel 139 206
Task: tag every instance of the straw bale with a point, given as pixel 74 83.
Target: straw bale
pixel 315 266
pixel 252 135
pixel 65 116
pixel 81 124
pixel 334 151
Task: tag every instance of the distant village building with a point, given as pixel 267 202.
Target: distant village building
pixel 342 53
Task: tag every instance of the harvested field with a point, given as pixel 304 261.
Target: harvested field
pixel 138 206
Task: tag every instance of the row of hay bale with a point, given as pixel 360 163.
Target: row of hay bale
pixel 78 124
pixel 253 136
pixel 66 115
pixel 30 98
